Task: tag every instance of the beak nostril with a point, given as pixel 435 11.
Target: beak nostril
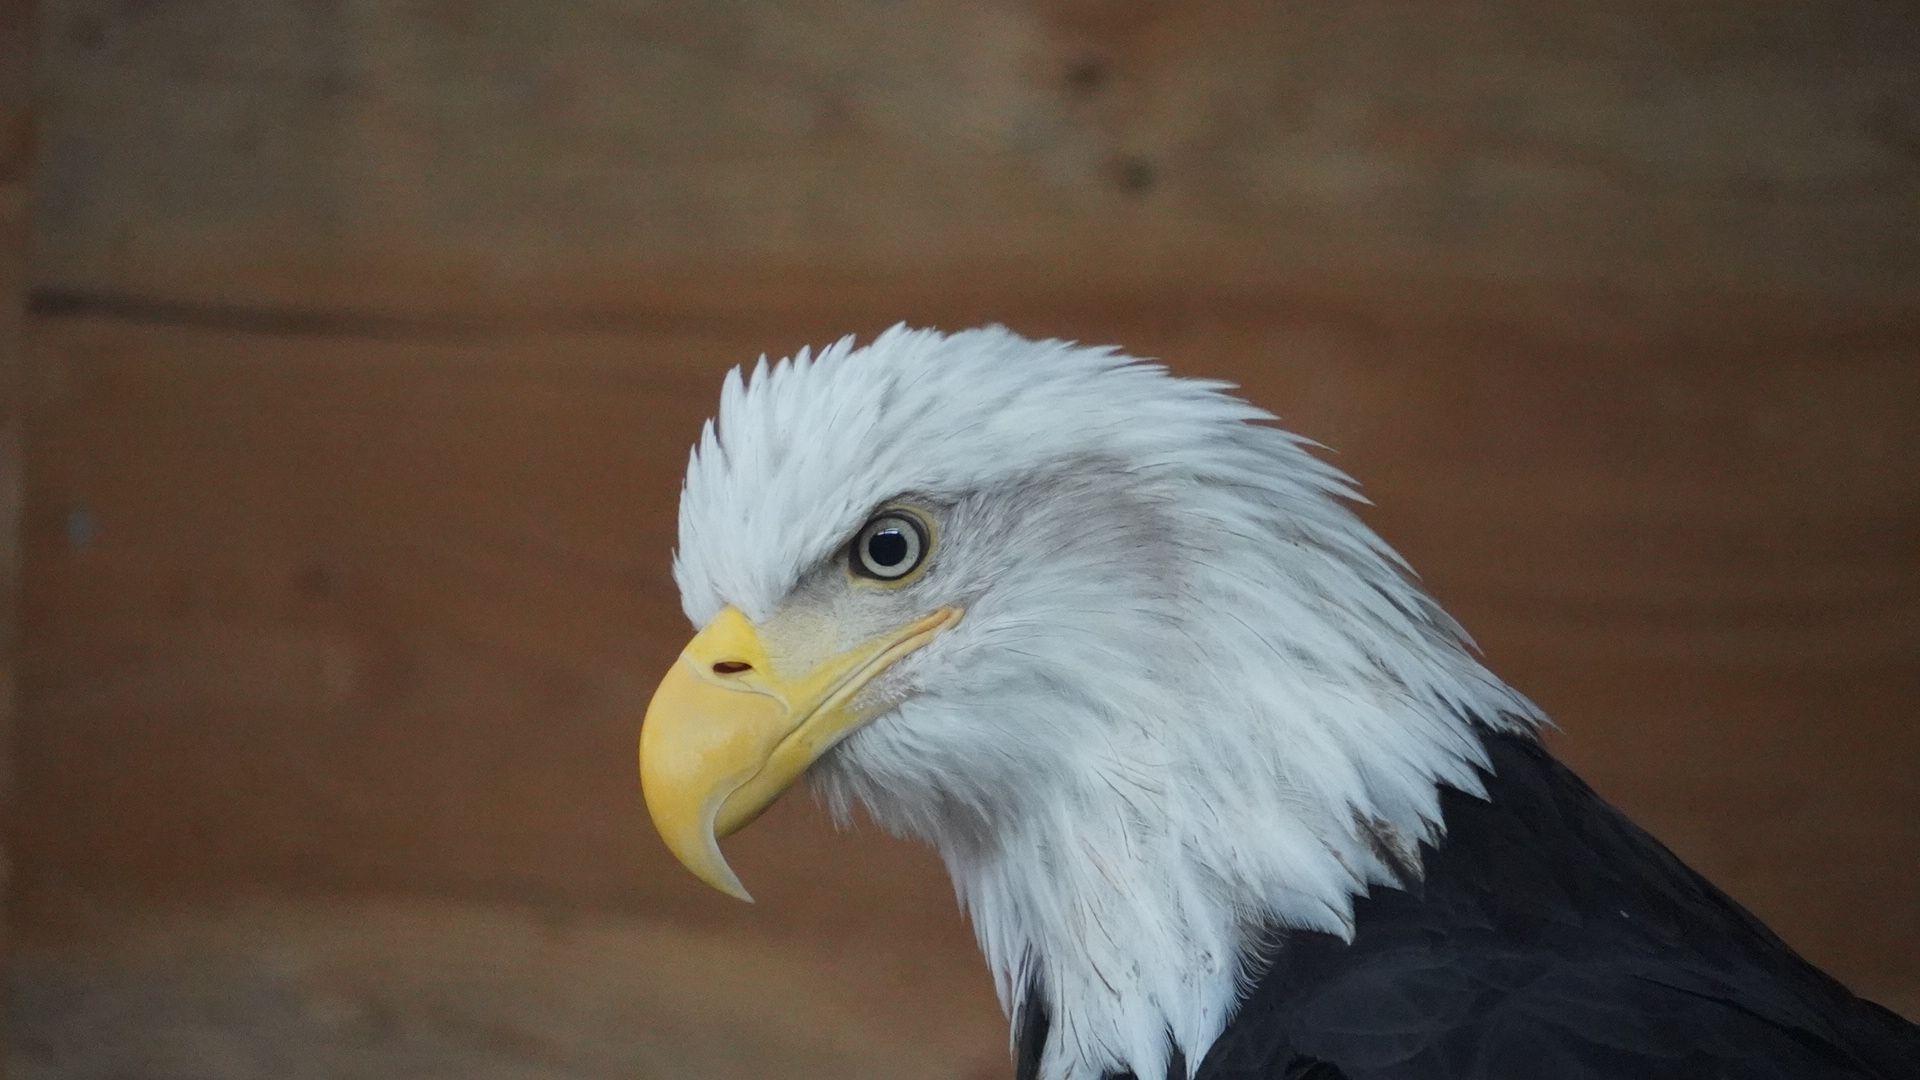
pixel 731 667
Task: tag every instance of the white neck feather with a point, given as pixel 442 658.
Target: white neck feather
pixel 1255 768
pixel 1139 907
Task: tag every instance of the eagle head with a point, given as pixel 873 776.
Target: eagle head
pixel 1109 639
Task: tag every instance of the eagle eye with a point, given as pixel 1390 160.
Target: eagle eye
pixel 889 547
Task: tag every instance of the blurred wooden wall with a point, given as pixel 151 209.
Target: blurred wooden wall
pixel 16 142
pixel 368 339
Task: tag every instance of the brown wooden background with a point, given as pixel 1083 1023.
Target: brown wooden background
pixel 366 340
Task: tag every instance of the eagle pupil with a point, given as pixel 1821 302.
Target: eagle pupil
pixel 887 548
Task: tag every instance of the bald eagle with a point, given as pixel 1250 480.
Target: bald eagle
pixel 1222 790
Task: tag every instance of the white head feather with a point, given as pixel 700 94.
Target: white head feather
pixel 1193 698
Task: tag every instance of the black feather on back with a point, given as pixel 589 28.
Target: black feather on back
pixel 1550 939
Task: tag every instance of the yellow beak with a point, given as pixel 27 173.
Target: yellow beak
pixel 726 732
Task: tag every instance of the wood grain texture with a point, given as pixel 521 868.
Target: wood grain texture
pixel 16 146
pixel 441 157
pixel 367 990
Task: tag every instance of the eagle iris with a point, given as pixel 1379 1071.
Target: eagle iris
pixel 888 548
